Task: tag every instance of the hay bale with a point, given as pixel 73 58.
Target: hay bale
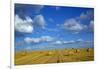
pixel 77 50
pixel 71 53
pixel 88 49
pixel 24 53
pixel 49 53
pixel 58 61
pixel 41 52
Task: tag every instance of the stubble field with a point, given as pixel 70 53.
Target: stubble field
pixel 53 56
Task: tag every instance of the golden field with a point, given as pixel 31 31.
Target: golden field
pixel 53 56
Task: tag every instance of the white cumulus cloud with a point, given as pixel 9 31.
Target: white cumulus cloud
pixel 32 40
pixel 38 40
pixel 23 25
pixel 73 25
pixel 39 21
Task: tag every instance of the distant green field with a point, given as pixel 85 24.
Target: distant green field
pixel 54 56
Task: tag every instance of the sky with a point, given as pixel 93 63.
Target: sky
pixel 45 26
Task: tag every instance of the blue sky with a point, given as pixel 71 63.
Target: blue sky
pixel 40 25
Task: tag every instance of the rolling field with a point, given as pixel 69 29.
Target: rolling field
pixel 54 56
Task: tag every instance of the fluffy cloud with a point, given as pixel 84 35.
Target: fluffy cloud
pixel 87 15
pixel 73 25
pixel 38 40
pixel 31 40
pixel 91 26
pixel 76 24
pixel 46 38
pixel 83 16
pixel 39 21
pixel 28 19
pixel 23 25
pixel 63 42
pixel 58 42
pixel 28 25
